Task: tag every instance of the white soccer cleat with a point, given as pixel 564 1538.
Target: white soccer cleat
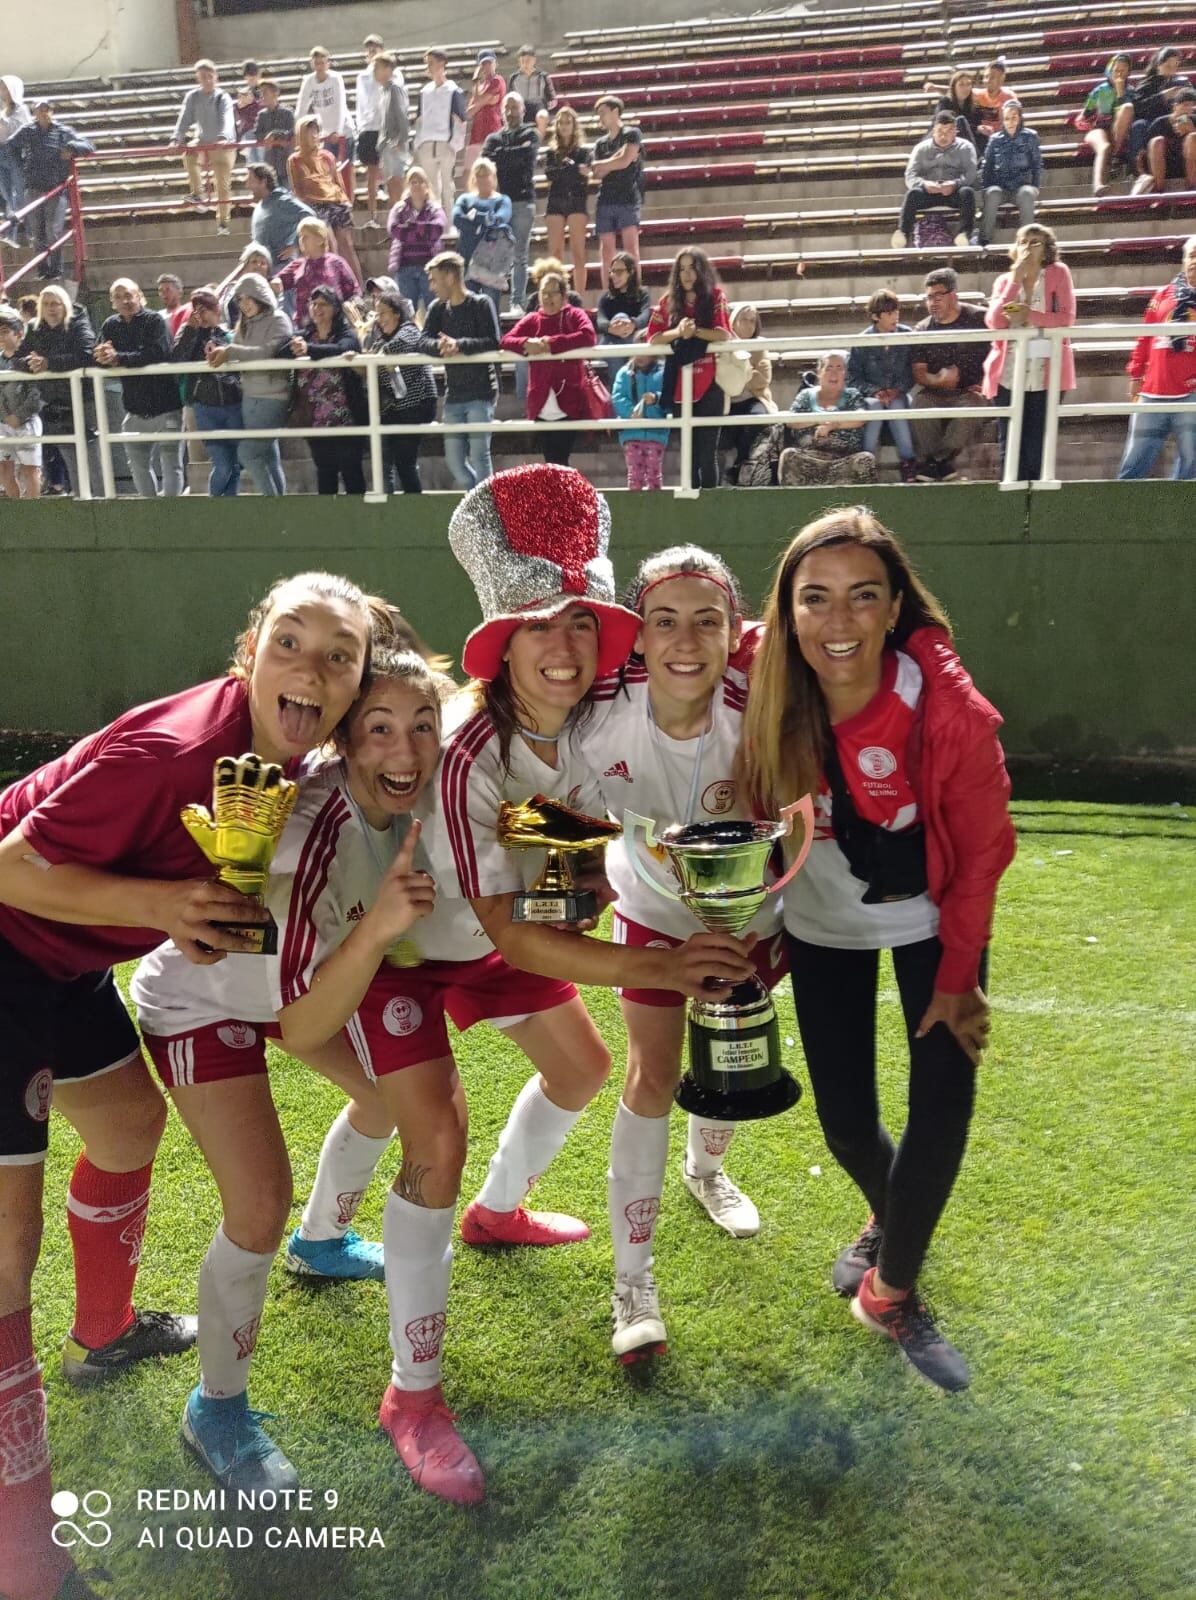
pixel 723 1203
pixel 639 1332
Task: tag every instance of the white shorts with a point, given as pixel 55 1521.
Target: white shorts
pixel 392 161
pixel 21 443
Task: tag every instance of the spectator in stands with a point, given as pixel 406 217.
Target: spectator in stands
pixel 1036 291
pixel 367 114
pixel 567 165
pixel 1171 146
pixel 213 396
pixel 882 373
pixel 248 107
pixel 946 375
pixel 316 265
pixel 477 210
pixel 618 162
pixel 274 131
pixel 535 273
pixel 44 148
pixel 940 173
pixel 624 308
pixel 636 393
pixel 1161 372
pixel 532 85
pixel 557 391
pixel 1012 171
pixel 262 333
pixel 334 393
pixel 992 96
pixel 408 394
pixel 416 227
pixel 175 309
pixel 756 399
pixel 690 316
pixel 27 306
pixel 14 115
pixel 484 105
pixel 513 152
pixel 316 181
pixel 440 132
pixel 277 213
pixel 254 258
pixel 20 418
pixel 394 137
pixel 206 119
pixel 322 94
pixel 460 323
pixel 960 102
pixel 1153 95
pixel 830 452
pixel 1106 120
pixel 61 339
pixel 134 336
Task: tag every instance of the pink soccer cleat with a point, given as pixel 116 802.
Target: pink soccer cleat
pixel 481 1226
pixel 423 1432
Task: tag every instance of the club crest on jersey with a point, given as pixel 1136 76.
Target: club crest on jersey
pixel 245 1338
pixel 402 1016
pixel 424 1335
pixel 876 762
pixel 38 1092
pixel 641 1218
pixel 619 770
pixel 237 1035
pixel 719 796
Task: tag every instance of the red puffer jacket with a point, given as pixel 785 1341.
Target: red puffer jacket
pixel 1160 369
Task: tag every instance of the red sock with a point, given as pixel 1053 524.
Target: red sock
pixel 106 1215
pixel 31 1565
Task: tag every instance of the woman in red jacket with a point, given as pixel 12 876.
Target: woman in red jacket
pixel 1163 374
pixel 690 317
pixel 857 696
pixel 556 390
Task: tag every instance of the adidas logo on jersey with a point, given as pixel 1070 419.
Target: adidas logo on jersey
pixel 355 913
pixel 619 770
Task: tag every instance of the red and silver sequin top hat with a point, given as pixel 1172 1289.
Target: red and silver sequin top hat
pixel 533 541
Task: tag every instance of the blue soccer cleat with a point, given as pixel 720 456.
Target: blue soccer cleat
pixel 349 1259
pixel 228 1438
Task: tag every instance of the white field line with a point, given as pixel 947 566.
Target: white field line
pixel 1045 1006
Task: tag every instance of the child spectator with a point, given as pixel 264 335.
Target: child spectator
pixel 367 108
pixel 992 95
pixel 207 112
pixel 14 115
pixel 394 138
pixel 532 85
pixel 274 131
pixel 1012 171
pixel 940 172
pixel 314 180
pixel 756 399
pixel 1171 146
pixel 20 419
pixel 636 393
pixel 248 107
pixel 618 161
pixel 484 106
pixel 440 132
pixel 416 227
pixel 1106 119
pixel 513 152
pixel 322 94
pixel 883 374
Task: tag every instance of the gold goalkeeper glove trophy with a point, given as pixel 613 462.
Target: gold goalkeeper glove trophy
pixel 543 824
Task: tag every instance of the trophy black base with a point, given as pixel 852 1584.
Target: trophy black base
pixel 260 938
pixel 577 905
pixel 735 1072
pixel 744 1105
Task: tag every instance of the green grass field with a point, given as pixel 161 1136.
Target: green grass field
pixel 778 1449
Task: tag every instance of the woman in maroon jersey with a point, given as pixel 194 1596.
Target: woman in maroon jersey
pixel 857 696
pixel 95 868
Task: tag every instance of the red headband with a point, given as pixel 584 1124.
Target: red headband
pixel 707 577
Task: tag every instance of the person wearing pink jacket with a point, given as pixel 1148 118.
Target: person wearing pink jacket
pixel 556 390
pixel 1037 291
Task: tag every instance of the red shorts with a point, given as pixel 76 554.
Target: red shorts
pixel 401 1021
pixel 211 1054
pixel 771 959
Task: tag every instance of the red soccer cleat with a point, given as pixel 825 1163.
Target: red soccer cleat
pixel 423 1432
pixel 481 1226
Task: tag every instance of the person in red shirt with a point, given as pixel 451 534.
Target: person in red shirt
pixel 561 390
pixel 1162 372
pixel 95 868
pixel 690 317
pixel 857 696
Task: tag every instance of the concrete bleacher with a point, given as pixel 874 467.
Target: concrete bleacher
pixel 778 143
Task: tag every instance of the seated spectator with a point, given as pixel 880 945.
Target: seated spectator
pixel 567 165
pixel 460 323
pixel 1012 171
pixel 44 148
pixel 624 307
pixel 992 96
pixel 968 116
pixel 1106 120
pixel 14 115
pixel 1171 146
pixel 483 108
pixel 1161 372
pixel 636 393
pixel 617 161
pixel 206 118
pixel 20 418
pixel 689 317
pixel 322 94
pixel 136 337
pixel 476 211
pixel 830 452
pixel 175 309
pixel 334 393
pixel 1153 96
pixel 315 180
pixel 408 394
pixel 557 390
pixel 532 85
pixel 1036 291
pixel 513 151
pixel 248 107
pixel 262 333
pixel 214 396
pixel 61 339
pixel 416 227
pixel 946 375
pixel 277 213
pixel 316 265
pixel 274 132
pixel 940 173
pixel 756 399
pixel 882 373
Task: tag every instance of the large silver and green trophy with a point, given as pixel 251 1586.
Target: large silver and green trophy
pixel 721 867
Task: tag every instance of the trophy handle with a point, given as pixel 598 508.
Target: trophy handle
pixel 803 808
pixel 633 826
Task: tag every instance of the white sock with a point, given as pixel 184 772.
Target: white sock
pixel 417 1244
pixel 347 1164
pixel 706 1145
pixel 232 1296
pixel 535 1131
pixel 639 1150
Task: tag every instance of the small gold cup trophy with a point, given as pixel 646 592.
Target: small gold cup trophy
pixel 251 801
pixel 543 824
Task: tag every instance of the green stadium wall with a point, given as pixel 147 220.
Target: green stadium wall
pixel 1073 609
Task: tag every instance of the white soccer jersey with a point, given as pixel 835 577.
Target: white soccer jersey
pixel 639 768
pixel 323 878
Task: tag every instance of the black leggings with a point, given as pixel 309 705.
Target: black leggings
pixel 834 992
pixel 704 473
pixel 400 452
pixel 337 459
pixel 558 446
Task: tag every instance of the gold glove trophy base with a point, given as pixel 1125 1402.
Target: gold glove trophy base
pixel 544 824
pixel 251 801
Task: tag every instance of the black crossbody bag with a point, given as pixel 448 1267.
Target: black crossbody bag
pixel 893 865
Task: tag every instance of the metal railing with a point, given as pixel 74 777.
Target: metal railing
pixel 72 235
pixel 242 147
pixel 374 430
